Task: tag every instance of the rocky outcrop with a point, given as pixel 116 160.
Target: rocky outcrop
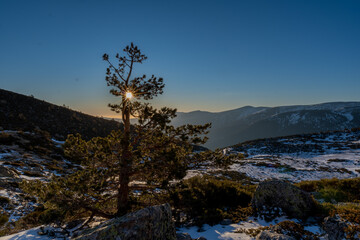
pixel 7 173
pixel 183 236
pixel 334 228
pixel 268 235
pixel 276 194
pixel 152 223
pixel 186 236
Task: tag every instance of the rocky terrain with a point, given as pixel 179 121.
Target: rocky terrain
pixel 35 155
pixel 304 209
pixel 299 157
pixel 29 156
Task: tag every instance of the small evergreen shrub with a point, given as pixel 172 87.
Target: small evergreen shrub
pixel 4 201
pixel 339 190
pixel 38 217
pixel 33 174
pixel 325 209
pixel 15 164
pixel 351 213
pixel 332 195
pixel 209 200
pixel 6 139
pixel 3 219
pixel 241 214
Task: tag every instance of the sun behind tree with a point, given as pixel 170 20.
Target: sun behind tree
pixel 145 156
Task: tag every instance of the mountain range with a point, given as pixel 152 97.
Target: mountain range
pixel 20 112
pixel 249 123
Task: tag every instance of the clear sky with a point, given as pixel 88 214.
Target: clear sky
pixel 213 55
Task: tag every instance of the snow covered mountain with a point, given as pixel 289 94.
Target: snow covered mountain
pixel 248 123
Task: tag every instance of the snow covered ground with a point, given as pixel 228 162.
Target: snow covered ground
pixel 231 232
pixel 30 234
pixel 300 167
pixel 223 232
pixel 298 158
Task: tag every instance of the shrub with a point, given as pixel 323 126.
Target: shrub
pixel 6 139
pixel 351 213
pixel 15 164
pixel 35 165
pixel 44 216
pixel 38 217
pixel 4 201
pixel 3 219
pixel 326 209
pixel 33 174
pixel 332 195
pixel 34 219
pixel 240 213
pixel 209 200
pixel 337 189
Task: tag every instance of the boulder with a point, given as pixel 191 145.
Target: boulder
pixel 226 222
pixel 186 236
pixel 6 172
pixel 276 194
pixel 183 236
pixel 268 235
pixel 152 223
pixel 334 228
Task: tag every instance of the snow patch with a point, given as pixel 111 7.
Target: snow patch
pixel 294 118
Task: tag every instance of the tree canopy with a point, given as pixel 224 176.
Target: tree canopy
pixel 145 156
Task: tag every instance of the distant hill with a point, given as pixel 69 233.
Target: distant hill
pixel 248 123
pixel 20 112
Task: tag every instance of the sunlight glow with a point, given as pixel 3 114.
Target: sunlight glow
pixel 128 95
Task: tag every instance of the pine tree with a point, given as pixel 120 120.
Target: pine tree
pixel 152 151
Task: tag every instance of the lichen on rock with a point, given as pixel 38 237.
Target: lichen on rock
pixel 276 194
pixel 152 223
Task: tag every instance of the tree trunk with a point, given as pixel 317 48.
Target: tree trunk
pixel 125 162
pixel 123 194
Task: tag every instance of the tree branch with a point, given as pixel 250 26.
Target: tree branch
pixel 116 70
pixel 130 70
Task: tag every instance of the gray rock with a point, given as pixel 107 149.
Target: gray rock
pixel 226 222
pixel 276 194
pixel 334 228
pixel 152 223
pixel 267 235
pixel 183 236
pixel 6 172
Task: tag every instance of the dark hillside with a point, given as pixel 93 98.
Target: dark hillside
pixel 20 112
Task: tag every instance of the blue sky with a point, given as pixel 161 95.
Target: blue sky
pixel 213 55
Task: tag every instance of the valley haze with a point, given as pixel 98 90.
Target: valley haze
pixel 248 123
